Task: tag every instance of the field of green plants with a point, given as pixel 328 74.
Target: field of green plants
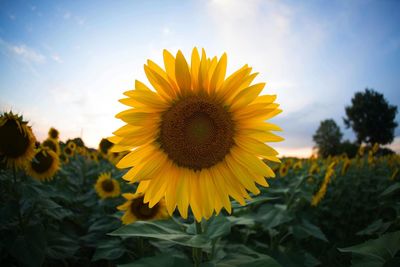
pixel 332 212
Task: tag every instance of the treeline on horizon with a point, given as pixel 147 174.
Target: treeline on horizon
pixel 372 120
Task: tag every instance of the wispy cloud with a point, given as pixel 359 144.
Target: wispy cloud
pixel 27 53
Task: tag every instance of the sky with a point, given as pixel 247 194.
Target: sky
pixel 65 64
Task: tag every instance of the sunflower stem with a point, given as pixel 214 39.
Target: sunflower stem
pixel 141 246
pixel 197 252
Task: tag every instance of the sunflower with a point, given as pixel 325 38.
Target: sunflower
pixel 199 138
pixel 71 145
pixel 298 166
pixel 44 164
pixel 94 156
pixel 330 171
pixel 314 169
pixel 64 158
pixel 283 170
pixel 53 133
pixel 52 144
pixel 104 146
pixel 68 151
pixel 17 141
pixel 106 186
pixel 136 210
pixel 345 166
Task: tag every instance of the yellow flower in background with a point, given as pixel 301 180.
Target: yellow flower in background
pixel 106 187
pixel 283 170
pixel 361 151
pixel 68 151
pixel 298 166
pixel 371 158
pixel 199 138
pixel 53 133
pixel 136 210
pixel 52 144
pixel 17 141
pixel 71 145
pixel 44 165
pixel 345 166
pixel 314 169
pixel 330 171
pixel 375 148
pixel 94 156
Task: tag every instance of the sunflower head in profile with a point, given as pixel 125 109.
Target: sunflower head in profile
pixel 107 187
pixel 44 164
pixel 53 133
pixel 104 146
pixel 198 138
pixel 17 142
pixel 52 144
pixel 136 210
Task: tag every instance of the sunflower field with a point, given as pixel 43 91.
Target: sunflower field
pixel 189 180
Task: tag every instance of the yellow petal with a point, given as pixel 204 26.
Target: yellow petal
pixel 195 65
pixel 195 196
pixel 246 96
pixel 218 76
pixel 183 192
pixel 182 74
pixel 241 175
pixel 162 86
pixel 169 63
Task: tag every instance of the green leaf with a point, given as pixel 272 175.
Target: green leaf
pixel 306 229
pixel 377 226
pixel 164 230
pixel 165 260
pixel 61 246
pixel 242 220
pixel 217 226
pixel 29 249
pixel 391 189
pixel 273 215
pixel 110 249
pixel 379 250
pixel 242 256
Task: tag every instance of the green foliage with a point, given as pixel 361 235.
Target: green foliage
pixel 327 138
pixel 64 223
pixel 371 117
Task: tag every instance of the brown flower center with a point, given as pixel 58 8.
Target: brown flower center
pixel 13 140
pixel 196 132
pixel 107 185
pixel 42 161
pixel 142 211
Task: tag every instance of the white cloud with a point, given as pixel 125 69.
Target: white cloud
pixel 57 58
pixel 27 53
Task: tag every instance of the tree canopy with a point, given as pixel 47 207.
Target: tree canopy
pixel 371 117
pixel 327 138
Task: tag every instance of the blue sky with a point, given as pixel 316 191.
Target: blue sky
pixel 66 63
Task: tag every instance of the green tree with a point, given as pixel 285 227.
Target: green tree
pixel 327 138
pixel 371 117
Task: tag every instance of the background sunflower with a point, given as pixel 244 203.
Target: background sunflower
pixel 44 164
pixel 136 210
pixel 106 187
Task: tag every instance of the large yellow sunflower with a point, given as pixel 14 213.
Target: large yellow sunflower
pixel 136 210
pixel 106 187
pixel 44 164
pixel 199 138
pixel 17 142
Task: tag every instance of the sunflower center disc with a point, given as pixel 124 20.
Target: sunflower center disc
pixel 13 141
pixel 107 185
pixel 142 210
pixel 196 132
pixel 42 162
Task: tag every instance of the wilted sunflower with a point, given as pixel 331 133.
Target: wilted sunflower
pixel 17 141
pixel 199 138
pixel 52 144
pixel 53 133
pixel 136 210
pixel 106 186
pixel 44 164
